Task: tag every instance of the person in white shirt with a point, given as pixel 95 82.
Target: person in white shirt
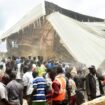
pixel 73 88
pixel 3 90
pixel 27 82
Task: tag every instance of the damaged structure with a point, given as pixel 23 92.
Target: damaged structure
pixel 51 31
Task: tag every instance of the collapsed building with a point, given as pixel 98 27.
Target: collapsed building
pixel 52 31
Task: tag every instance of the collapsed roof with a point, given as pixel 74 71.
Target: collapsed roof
pixel 84 40
pixel 43 9
pixel 84 45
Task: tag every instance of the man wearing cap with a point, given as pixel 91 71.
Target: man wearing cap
pixel 93 84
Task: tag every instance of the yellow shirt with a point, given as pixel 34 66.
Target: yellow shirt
pixel 41 70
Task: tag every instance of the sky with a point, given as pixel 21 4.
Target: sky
pixel 11 11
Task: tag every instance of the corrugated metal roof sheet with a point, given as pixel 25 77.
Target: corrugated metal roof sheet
pixel 84 46
pixel 28 19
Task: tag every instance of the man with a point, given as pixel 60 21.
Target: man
pixel 19 69
pixel 93 84
pixel 15 91
pixel 3 91
pixel 3 64
pixel 79 80
pixel 41 69
pixel 73 88
pixel 51 64
pixel 64 68
pixel 27 82
pixel 1 72
pixel 59 88
pixel 38 94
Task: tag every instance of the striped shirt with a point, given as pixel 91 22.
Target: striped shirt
pixel 39 84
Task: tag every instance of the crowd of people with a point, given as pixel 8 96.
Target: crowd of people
pixel 46 82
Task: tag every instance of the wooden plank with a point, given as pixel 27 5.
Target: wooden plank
pixel 97 101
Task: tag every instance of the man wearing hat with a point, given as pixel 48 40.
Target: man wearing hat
pixel 93 84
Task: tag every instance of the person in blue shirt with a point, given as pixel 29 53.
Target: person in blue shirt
pixel 38 94
pixel 51 65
